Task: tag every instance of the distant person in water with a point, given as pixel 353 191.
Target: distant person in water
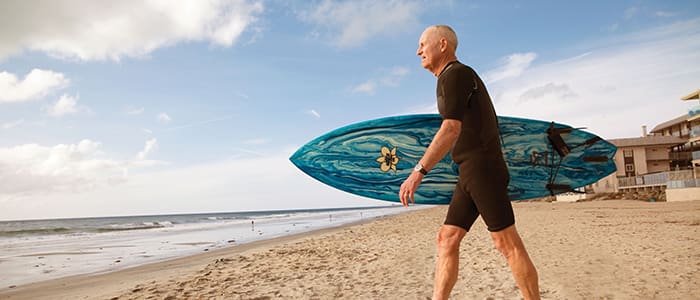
pixel 469 130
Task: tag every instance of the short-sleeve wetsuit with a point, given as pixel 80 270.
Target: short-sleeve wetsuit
pixel 482 187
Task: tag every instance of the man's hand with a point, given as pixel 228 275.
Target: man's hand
pixel 409 187
pixel 444 138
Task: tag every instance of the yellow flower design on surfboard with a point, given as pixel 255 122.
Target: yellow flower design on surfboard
pixel 388 160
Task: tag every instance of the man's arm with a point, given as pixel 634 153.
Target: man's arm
pixel 443 141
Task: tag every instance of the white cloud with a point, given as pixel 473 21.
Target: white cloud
pixel 35 85
pixel 352 23
pixel 258 141
pixel 242 95
pixel 560 91
pixel 135 111
pixel 12 124
pixel 390 78
pixel 29 170
pixel 98 30
pixel 366 87
pixel 66 105
pixel 151 145
pixel 631 12
pixel 614 89
pixel 163 118
pixel 665 14
pixel 314 113
pixel 512 66
pixel 394 76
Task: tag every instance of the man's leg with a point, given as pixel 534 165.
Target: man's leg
pixel 448 240
pixel 508 242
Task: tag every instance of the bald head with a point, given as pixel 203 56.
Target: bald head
pixel 437 47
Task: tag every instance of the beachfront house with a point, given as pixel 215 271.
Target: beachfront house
pixel 694 134
pixel 642 165
pixel 666 159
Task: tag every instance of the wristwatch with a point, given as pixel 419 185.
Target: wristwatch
pixel 419 168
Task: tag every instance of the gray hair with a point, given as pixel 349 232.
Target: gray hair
pixel 446 32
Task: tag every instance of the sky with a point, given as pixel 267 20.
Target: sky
pixel 153 107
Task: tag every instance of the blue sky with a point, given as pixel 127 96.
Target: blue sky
pixel 147 107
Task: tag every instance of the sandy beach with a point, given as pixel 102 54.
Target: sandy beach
pixel 617 249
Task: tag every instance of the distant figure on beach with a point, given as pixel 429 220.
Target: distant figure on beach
pixel 252 225
pixel 469 130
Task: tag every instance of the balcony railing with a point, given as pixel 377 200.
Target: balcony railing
pixel 694 132
pixel 655 179
pixel 696 155
pixel 680 156
pixel 680 184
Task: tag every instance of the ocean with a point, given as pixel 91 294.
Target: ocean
pixel 38 250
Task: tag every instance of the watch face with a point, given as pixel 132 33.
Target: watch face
pixel 419 168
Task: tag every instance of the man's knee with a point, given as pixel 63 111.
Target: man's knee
pixel 508 241
pixel 449 237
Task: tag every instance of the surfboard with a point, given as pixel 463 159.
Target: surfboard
pixel 372 158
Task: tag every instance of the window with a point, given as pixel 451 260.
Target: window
pixel 628 153
pixel 629 167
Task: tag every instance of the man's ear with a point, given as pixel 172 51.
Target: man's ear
pixel 443 44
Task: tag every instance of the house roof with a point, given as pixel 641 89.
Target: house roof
pixel 648 141
pixel 691 96
pixel 670 123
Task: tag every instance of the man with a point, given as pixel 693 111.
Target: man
pixel 470 130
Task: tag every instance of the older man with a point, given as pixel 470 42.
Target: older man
pixel 470 131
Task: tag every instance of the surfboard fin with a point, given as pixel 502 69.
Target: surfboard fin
pixel 595 158
pixel 592 141
pixel 554 136
pixel 561 188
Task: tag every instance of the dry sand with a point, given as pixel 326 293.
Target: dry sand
pixel 617 249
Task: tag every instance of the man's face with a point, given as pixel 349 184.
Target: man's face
pixel 428 49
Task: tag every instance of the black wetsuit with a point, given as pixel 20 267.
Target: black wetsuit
pixel 482 188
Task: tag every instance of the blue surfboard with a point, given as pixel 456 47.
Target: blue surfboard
pixel 373 158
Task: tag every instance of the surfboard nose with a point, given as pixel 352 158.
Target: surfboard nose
pixel 296 157
pixel 300 159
